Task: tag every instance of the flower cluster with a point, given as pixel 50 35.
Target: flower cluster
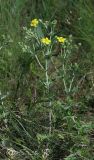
pixel 46 40
pixel 61 39
pixel 34 22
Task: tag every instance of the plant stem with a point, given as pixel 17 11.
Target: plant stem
pixel 46 74
pixel 47 86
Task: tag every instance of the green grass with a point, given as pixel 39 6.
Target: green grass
pixel 24 99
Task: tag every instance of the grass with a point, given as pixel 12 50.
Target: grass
pixel 46 102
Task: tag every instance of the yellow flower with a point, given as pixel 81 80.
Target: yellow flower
pixel 46 40
pixel 34 22
pixel 61 39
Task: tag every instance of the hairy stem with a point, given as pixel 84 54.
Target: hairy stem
pixel 47 86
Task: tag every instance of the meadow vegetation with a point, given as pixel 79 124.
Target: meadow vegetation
pixel 47 80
